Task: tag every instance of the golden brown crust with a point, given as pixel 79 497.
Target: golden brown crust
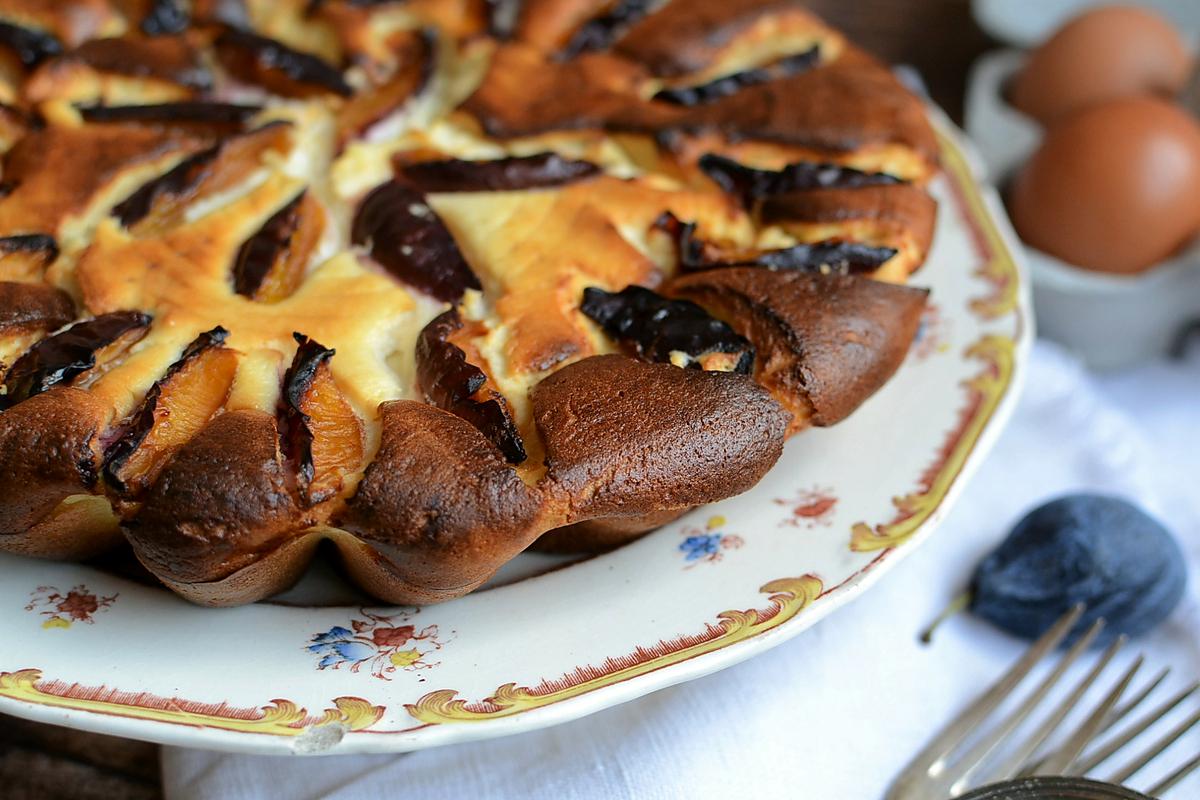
pixel 902 214
pixel 825 342
pixel 226 498
pixel 48 452
pixel 78 528
pixel 684 419
pixel 204 180
pixel 602 535
pixel 849 103
pixel 85 159
pixel 525 92
pixel 274 572
pixel 687 35
pixel 439 504
pixel 33 307
pixel 904 204
pixel 169 58
pixel 549 24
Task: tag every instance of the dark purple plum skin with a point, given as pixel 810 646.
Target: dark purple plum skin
pixel 180 179
pixel 449 381
pixel 296 434
pixel 729 84
pixel 1101 551
pixel 31 46
pixel 65 355
pixel 177 180
pixel 832 256
pixel 750 184
pixel 600 32
pixel 657 326
pixel 225 116
pixel 31 243
pixel 246 48
pixel 406 236
pixel 540 171
pixel 257 255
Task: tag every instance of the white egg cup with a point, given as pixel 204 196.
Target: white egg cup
pixel 1110 321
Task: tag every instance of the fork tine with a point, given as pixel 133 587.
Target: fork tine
pixel 931 761
pixel 1152 752
pixel 1167 783
pixel 1114 716
pixel 1123 709
pixel 1134 730
pixel 1060 761
pixel 974 758
pixel 1012 764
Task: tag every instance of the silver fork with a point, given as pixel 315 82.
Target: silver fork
pixel 951 764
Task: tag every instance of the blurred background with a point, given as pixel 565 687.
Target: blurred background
pixel 945 41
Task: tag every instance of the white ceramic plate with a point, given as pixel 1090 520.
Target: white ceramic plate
pixel 85 648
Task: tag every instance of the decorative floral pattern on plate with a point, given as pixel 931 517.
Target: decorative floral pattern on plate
pixel 932 334
pixel 60 610
pixel 809 508
pixel 382 642
pixel 708 544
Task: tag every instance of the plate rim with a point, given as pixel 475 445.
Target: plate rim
pixel 441 717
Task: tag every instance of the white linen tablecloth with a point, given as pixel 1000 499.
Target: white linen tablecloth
pixel 837 711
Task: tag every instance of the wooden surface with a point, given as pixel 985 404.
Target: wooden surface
pixel 42 762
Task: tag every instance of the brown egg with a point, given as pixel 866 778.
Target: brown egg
pixel 1101 55
pixel 1114 188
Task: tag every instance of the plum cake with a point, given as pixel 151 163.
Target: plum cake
pixel 435 281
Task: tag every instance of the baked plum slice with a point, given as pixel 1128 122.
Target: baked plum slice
pixel 33 307
pixel 452 383
pixel 659 329
pixel 539 171
pixel 265 62
pixel 416 53
pixel 168 58
pixel 729 84
pixel 751 185
pixel 203 115
pixel 30 46
pixel 270 265
pixel 602 30
pixel 321 434
pixel 407 237
pixel 832 256
pixel 176 408
pixel 25 257
pixel 159 202
pixel 69 353
pixel 825 342
pixel 177 181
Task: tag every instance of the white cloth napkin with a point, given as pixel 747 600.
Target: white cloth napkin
pixel 836 712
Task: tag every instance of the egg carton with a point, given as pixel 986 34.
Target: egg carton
pixel 1110 321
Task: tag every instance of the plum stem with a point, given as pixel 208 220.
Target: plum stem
pixel 956 605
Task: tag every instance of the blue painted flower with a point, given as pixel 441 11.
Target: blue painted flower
pixel 338 646
pixel 700 545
